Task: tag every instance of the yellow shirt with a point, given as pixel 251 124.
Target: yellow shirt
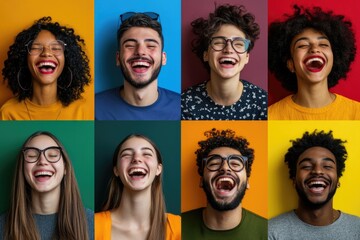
pixel 27 110
pixel 341 108
pixel 102 227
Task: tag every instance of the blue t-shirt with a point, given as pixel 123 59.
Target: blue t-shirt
pixel 110 106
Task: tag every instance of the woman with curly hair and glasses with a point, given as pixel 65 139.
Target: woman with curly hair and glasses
pixel 135 206
pixel 309 52
pixel 45 201
pixel 47 70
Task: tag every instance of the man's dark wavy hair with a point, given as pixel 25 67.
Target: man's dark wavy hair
pixel 75 60
pixel 338 30
pixel 140 20
pixel 224 14
pixel 223 138
pixel 316 139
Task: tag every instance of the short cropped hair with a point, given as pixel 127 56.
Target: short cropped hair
pixel 224 14
pixel 316 139
pixel 223 138
pixel 338 30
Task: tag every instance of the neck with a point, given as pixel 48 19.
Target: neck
pixel 323 216
pixel 313 96
pixel 134 209
pixel 222 220
pixel 45 203
pixel 44 95
pixel 224 91
pixel 140 97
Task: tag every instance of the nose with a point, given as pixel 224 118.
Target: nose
pixel 42 159
pixel 314 48
pixel 141 49
pixel 46 51
pixel 225 166
pixel 317 169
pixel 136 158
pixel 228 46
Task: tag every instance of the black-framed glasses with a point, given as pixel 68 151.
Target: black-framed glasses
pixel 239 44
pixel 56 47
pixel 235 162
pixel 32 154
pixel 127 15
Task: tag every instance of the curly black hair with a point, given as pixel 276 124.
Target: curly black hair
pixel 316 139
pixel 224 14
pixel 223 138
pixel 76 69
pixel 338 30
pixel 140 20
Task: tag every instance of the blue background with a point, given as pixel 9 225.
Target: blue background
pixel 107 13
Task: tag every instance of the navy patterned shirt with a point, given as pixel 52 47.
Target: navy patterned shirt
pixel 196 104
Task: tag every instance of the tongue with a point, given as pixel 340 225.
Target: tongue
pixel 226 186
pixel 46 70
pixel 42 178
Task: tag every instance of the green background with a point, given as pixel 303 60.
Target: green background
pixel 77 138
pixel 165 134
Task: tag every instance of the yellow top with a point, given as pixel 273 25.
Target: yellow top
pixel 341 108
pixel 103 226
pixel 27 110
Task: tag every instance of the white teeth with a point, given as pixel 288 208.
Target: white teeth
pixel 226 179
pixel 323 184
pixel 137 64
pixel 316 59
pixel 137 170
pixel 223 60
pixel 46 64
pixel 43 173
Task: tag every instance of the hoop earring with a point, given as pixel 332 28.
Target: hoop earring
pixel 71 78
pixel 18 80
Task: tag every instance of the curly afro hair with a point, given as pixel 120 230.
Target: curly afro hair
pixel 338 30
pixel 316 139
pixel 223 138
pixel 224 14
pixel 76 70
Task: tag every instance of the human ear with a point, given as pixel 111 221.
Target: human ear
pixel 117 58
pixel 158 169
pixel 290 65
pixel 206 56
pixel 163 60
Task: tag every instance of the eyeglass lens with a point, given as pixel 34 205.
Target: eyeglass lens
pixel 56 48
pixel 127 15
pixel 240 45
pixel 235 162
pixel 52 154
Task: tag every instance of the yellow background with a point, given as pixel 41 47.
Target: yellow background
pixel 192 196
pixel 283 196
pixel 18 15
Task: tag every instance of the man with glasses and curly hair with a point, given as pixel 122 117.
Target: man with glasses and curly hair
pixel 223 43
pixel 140 56
pixel 224 164
pixel 316 162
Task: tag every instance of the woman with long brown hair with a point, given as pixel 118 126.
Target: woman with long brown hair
pixel 45 201
pixel 135 206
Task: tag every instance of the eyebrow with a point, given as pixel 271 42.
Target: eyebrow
pixel 307 39
pixel 131 149
pixel 310 159
pixel 145 40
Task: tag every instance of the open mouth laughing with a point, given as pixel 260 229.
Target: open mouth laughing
pixel 43 175
pixel 137 173
pixel 317 185
pixel 140 65
pixel 46 67
pixel 224 185
pixel 227 62
pixel 314 63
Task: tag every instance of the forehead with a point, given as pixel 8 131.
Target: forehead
pixel 45 36
pixel 229 30
pixel 41 141
pixel 224 151
pixel 309 33
pixel 140 33
pixel 136 143
pixel 316 153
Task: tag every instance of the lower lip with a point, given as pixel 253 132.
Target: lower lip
pixel 47 72
pixel 315 70
pixel 42 179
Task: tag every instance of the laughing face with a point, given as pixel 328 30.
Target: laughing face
pixel 45 67
pixel 140 56
pixel 43 176
pixel 226 64
pixel 312 57
pixel 224 188
pixel 137 164
pixel 316 177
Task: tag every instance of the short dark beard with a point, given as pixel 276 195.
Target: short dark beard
pixel 140 85
pixel 306 202
pixel 224 206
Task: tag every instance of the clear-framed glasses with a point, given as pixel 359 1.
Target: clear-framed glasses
pixel 56 47
pixel 32 154
pixel 127 15
pixel 214 162
pixel 239 44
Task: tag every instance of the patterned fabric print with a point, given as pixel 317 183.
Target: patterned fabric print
pixel 197 105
